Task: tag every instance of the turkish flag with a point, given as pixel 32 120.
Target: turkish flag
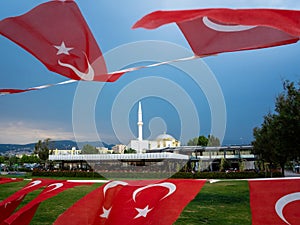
pixel 4 180
pixel 154 202
pixel 212 31
pixel 133 202
pixel 57 34
pixel 275 201
pixel 26 213
pixel 94 208
pixel 8 205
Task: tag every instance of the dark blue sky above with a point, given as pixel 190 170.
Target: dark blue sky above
pixel 246 83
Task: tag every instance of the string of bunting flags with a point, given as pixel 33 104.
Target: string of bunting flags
pixel 74 53
pixel 149 201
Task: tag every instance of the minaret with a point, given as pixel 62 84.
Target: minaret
pixel 140 122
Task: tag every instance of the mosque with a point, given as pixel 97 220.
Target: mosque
pixel 162 141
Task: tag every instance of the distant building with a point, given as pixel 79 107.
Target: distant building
pixel 103 150
pixel 73 151
pixel 119 149
pixel 162 140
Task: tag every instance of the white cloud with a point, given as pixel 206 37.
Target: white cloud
pixel 24 132
pixel 20 132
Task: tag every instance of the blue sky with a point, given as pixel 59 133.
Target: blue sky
pixel 245 83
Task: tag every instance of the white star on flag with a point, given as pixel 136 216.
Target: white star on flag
pixel 142 212
pixel 105 213
pixel 62 49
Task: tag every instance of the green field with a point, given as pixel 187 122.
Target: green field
pixel 222 203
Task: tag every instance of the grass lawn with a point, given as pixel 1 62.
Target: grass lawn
pixel 222 203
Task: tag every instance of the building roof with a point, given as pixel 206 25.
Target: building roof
pixel 164 136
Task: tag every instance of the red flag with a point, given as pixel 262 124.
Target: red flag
pixel 24 218
pixel 212 31
pixel 275 202
pixel 57 34
pixel 133 202
pixel 94 207
pixel 4 180
pixel 26 213
pixel 8 205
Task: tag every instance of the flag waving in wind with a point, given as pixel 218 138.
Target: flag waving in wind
pixel 4 180
pixel 275 201
pixel 133 202
pixel 57 34
pixel 24 215
pixel 8 205
pixel 213 31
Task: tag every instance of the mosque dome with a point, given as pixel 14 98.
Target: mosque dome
pixel 164 136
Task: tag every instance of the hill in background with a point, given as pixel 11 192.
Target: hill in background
pixel 65 144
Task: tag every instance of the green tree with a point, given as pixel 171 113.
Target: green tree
pixel 13 160
pixel 42 148
pixel 29 159
pixel 224 165
pixel 202 140
pixel 242 164
pixel 2 159
pixel 266 143
pixel 288 115
pixel 129 151
pixel 213 141
pixel 193 142
pixel 89 149
pixel 277 140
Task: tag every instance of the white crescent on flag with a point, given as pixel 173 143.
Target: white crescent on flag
pixel 168 185
pixel 89 76
pixel 33 183
pixel 225 28
pixel 57 185
pixel 285 200
pixel 112 185
pixel 212 31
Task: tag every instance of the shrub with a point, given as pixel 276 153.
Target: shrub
pixel 41 173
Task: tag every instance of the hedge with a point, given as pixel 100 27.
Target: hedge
pixel 223 175
pixel 41 173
